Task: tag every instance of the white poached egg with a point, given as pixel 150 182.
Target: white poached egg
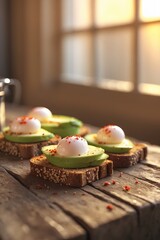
pixel 72 146
pixel 110 134
pixel 25 125
pixel 41 113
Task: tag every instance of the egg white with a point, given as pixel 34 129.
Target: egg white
pixel 72 146
pixel 41 113
pixel 25 125
pixel 110 134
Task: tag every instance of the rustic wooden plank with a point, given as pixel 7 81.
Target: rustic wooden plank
pixel 24 216
pixel 143 196
pixel 145 201
pixel 144 172
pixel 153 157
pixel 89 211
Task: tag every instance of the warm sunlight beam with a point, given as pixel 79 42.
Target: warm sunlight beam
pixel 113 12
pixel 150 10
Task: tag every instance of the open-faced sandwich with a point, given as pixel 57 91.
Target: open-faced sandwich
pixel 58 124
pixel 122 151
pixel 72 162
pixel 25 137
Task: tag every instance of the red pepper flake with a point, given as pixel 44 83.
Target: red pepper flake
pixel 83 194
pixel 107 130
pixel 24 119
pixel 136 181
pixel 52 151
pixel 55 193
pixel 113 182
pixel 106 183
pixel 121 173
pixel 39 186
pixel 109 207
pixel 22 122
pixel 126 188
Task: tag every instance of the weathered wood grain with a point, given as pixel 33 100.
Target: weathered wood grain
pixel 135 213
pixel 24 216
pixel 144 172
pixel 143 196
pixel 91 212
pixel 88 211
pixel 153 158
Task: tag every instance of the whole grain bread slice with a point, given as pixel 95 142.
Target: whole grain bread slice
pixel 25 150
pixel 137 154
pixel 40 167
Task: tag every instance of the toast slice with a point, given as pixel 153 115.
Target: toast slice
pixel 123 160
pixel 25 150
pixel 40 167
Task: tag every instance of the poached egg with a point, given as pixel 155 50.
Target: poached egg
pixel 41 113
pixel 110 134
pixel 72 146
pixel 25 125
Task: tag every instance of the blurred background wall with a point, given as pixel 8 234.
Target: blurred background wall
pixel 4 38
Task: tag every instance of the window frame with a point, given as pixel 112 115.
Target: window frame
pixel 135 25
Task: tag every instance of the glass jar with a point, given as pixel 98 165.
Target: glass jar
pixel 5 84
pixel 2 106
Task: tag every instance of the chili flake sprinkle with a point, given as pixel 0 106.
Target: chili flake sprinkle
pixel 24 119
pixel 121 173
pixel 53 151
pixel 113 182
pixel 109 207
pixel 136 181
pixel 126 188
pixel 106 183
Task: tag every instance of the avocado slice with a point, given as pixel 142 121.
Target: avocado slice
pixel 41 135
pixel 94 157
pixel 124 147
pixel 63 132
pixel 62 125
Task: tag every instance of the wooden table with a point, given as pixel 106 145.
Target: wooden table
pixel 31 208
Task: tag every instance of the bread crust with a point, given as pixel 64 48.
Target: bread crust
pixel 25 150
pixel 40 167
pixel 137 154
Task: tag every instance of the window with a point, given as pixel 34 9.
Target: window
pixel 111 44
pixel 82 60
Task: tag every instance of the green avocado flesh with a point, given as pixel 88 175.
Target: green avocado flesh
pixel 41 135
pixel 62 125
pixel 94 157
pixel 124 147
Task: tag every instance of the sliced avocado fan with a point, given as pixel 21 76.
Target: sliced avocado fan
pixel 124 147
pixel 94 157
pixel 39 136
pixel 62 125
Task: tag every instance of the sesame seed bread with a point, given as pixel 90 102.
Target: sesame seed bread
pixel 40 167
pixel 25 150
pixel 137 154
